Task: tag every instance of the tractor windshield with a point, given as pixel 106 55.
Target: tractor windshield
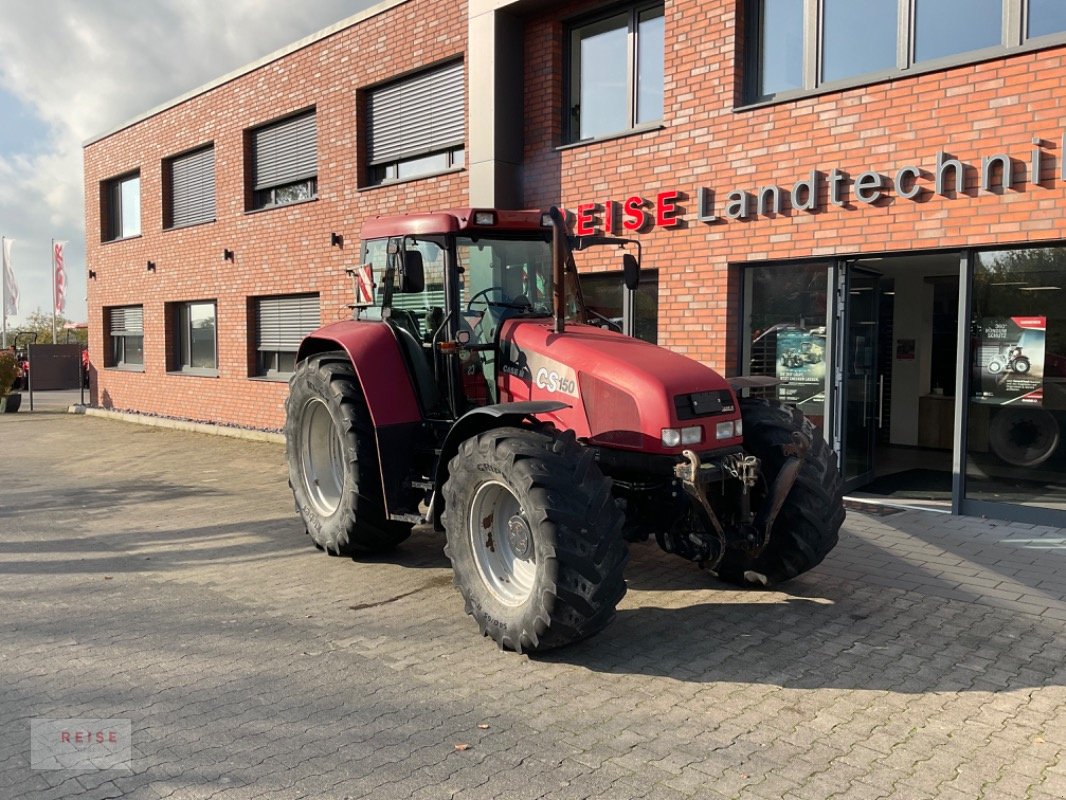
pixel 502 277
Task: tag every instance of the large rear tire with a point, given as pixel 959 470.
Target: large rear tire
pixel 332 459
pixel 808 525
pixel 534 537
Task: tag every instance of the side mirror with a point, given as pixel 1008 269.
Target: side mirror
pixel 630 271
pixel 414 277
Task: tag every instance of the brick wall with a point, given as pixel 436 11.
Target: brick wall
pixel 277 251
pixel 971 112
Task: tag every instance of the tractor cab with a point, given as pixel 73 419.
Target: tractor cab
pixel 446 284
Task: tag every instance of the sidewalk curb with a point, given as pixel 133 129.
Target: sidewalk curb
pixel 180 424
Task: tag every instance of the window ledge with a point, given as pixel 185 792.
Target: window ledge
pixel 121 239
pixel 124 368
pixel 651 127
pixel 399 181
pixel 271 378
pixel 197 372
pixel 188 225
pixel 276 206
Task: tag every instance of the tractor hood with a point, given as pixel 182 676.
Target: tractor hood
pixel 622 392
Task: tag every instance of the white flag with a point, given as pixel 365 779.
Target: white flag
pixel 11 288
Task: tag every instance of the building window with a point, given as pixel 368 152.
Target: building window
pixel 1045 17
pixel 612 306
pixel 190 188
pixel 281 324
pixel 416 126
pixel 796 46
pixel 122 207
pixel 194 340
pixel 126 326
pixel 616 72
pixel 285 162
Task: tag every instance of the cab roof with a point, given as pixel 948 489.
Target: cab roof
pixel 451 221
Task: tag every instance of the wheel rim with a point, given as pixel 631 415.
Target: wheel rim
pixel 502 543
pixel 321 459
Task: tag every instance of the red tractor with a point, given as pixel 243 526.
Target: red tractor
pixel 473 391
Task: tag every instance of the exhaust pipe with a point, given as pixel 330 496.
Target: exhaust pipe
pixel 560 253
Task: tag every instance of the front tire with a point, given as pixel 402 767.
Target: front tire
pixel 534 537
pixel 332 459
pixel 808 525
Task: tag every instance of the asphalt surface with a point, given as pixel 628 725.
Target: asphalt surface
pixel 161 577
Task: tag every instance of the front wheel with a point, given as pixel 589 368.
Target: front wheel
pixel 995 367
pixel 534 537
pixel 332 459
pixel 808 524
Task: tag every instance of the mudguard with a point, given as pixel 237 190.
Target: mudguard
pixel 375 354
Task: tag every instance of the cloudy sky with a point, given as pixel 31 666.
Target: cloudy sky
pixel 72 69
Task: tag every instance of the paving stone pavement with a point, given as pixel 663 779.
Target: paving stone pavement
pixel 162 577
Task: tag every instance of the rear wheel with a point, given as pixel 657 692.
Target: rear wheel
pixel 808 525
pixel 332 459
pixel 534 538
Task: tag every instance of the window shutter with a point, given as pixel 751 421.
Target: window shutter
pixel 192 181
pixel 419 115
pixel 127 320
pixel 285 152
pixel 285 321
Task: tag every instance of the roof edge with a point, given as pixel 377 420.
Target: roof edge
pixel 307 41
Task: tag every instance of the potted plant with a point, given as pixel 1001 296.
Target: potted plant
pixel 10 399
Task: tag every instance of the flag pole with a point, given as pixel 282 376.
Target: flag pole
pixel 3 291
pixel 54 340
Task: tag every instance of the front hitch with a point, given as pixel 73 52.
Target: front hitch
pixel 752 532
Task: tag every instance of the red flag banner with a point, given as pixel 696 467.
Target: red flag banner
pixel 364 283
pixel 60 277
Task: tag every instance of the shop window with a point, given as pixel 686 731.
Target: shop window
pixel 194 341
pixel 611 305
pixel 285 161
pixel 1017 407
pixel 189 186
pixel 798 46
pixel 417 126
pixel 616 69
pixel 125 324
pixel 785 333
pixel 281 323
pixel 121 207
pixel 1045 17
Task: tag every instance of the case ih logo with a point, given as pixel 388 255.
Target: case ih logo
pixel 997 173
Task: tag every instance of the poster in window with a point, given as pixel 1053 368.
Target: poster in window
pixel 1008 366
pixel 800 364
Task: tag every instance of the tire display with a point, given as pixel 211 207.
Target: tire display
pixel 1024 437
pixel 332 460
pixel 534 538
pixel 808 525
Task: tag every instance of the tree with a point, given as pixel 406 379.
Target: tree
pixel 40 323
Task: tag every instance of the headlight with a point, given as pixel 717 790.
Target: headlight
pixel 727 430
pixel 672 437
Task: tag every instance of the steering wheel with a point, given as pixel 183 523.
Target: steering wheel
pixel 487 302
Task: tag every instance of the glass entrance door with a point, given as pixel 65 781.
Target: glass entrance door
pixel 863 398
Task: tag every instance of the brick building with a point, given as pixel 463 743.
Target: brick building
pixel 859 198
